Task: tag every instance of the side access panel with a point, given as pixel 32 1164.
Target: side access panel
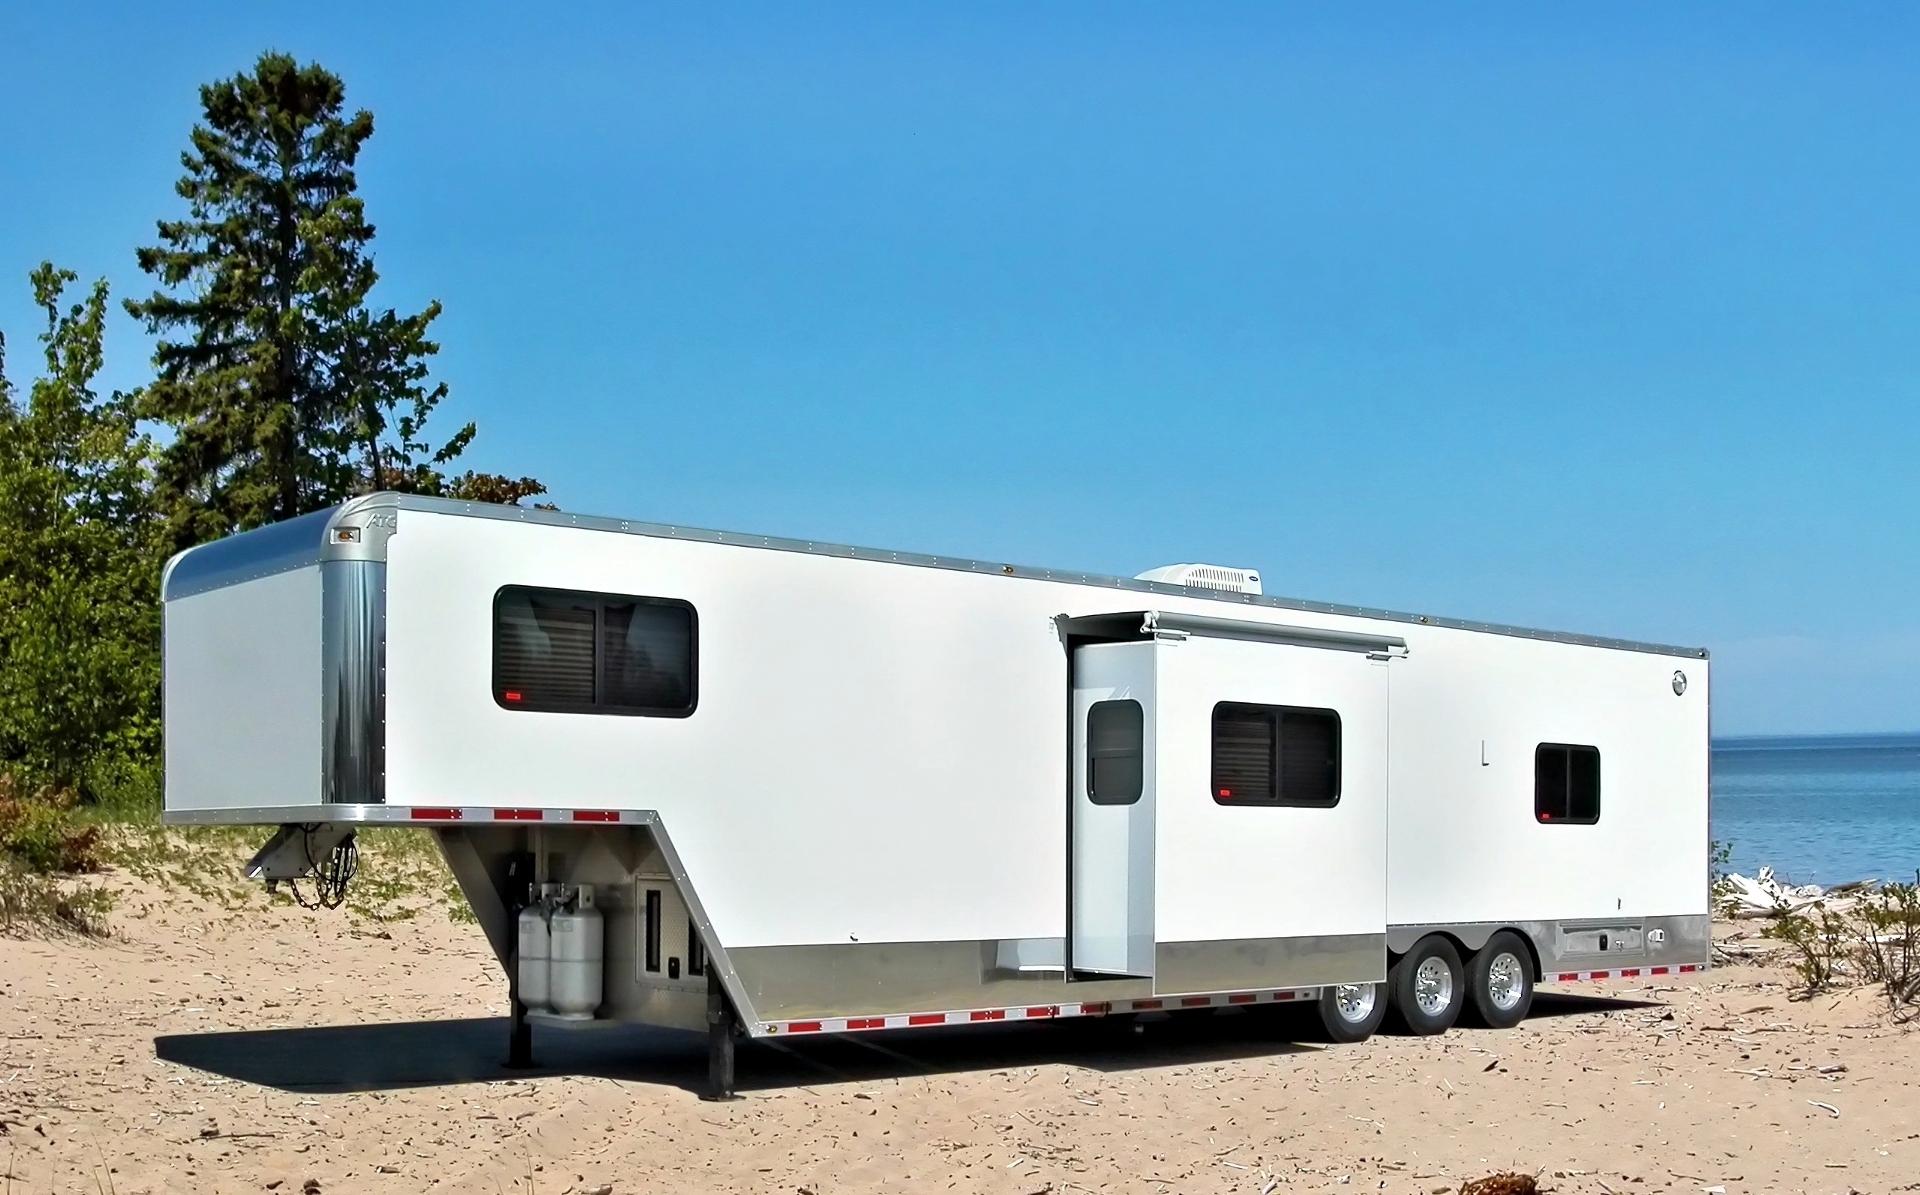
pixel 1263 892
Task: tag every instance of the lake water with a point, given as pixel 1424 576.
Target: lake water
pixel 1820 810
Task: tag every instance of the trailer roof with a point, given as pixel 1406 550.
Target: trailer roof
pixel 309 540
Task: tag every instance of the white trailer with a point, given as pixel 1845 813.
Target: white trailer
pixel 818 789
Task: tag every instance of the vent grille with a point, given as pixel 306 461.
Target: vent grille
pixel 1205 576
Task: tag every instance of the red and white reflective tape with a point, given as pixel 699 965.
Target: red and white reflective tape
pixel 450 813
pixel 1035 1012
pixel 1621 973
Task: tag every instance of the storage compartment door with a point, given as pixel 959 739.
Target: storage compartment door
pixel 1111 918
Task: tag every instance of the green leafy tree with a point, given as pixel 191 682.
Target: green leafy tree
pixel 80 555
pixel 285 390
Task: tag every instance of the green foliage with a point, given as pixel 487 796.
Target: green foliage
pixel 34 901
pixel 39 832
pixel 286 391
pixel 80 554
pixel 1819 938
pixel 1889 943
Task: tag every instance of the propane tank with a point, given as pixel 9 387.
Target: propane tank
pixel 535 952
pixel 579 940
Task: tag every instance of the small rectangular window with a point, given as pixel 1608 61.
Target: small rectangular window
pixel 1275 755
pixel 593 653
pixel 1116 752
pixel 1566 784
pixel 650 954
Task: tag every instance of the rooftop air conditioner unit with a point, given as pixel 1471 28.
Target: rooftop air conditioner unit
pixel 1205 576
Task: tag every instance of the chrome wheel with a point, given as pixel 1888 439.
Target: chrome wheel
pixel 1433 986
pixel 1354 1001
pixel 1506 981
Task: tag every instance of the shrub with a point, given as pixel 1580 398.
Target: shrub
pixel 39 832
pixel 32 900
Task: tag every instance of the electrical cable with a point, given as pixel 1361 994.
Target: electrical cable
pixel 330 879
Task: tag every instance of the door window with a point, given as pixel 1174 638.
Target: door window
pixel 1116 752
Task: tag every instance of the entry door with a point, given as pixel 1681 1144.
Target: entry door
pixel 1112 831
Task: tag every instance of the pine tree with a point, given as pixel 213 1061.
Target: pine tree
pixel 285 391
pixel 80 555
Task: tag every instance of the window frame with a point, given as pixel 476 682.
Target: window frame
pixel 600 601
pixel 1277 715
pixel 1140 715
pixel 1540 815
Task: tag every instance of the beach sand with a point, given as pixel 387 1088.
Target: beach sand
pixel 211 1050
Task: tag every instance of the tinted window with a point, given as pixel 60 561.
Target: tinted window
pixel 1116 752
pixel 562 651
pixel 1566 784
pixel 1275 755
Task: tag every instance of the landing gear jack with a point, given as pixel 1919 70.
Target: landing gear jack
pixel 520 1039
pixel 722 1023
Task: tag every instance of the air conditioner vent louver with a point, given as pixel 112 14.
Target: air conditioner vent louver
pixel 1205 576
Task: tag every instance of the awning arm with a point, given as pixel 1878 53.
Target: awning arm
pixel 1162 624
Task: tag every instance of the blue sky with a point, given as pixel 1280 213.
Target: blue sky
pixel 1598 318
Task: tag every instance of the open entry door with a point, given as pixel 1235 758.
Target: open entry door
pixel 1112 829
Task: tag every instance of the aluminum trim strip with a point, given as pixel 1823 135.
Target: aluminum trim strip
pixel 409 815
pixel 1246 964
pixel 1038 1012
pixel 1641 972
pixel 1662 940
pixel 263 552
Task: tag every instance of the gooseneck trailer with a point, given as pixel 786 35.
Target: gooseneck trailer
pixel 769 787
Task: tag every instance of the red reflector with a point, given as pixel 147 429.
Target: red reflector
pixel 1633 972
pixel 595 815
pixel 1659 971
pixel 435 815
pixel 510 695
pixel 516 815
pixel 1240 998
pixel 868 1023
pixel 990 1014
pixel 804 1027
pixel 1095 1010
pixel 1600 975
pixel 1569 976
pixel 1195 1002
pixel 1145 1005
pixel 927 1018
pixel 1226 792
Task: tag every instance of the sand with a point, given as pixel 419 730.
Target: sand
pixel 201 1049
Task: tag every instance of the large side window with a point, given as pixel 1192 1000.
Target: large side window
pixel 1116 752
pixel 594 653
pixel 1566 784
pixel 1275 755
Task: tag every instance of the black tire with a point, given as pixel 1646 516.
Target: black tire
pixel 1427 988
pixel 1351 1012
pixel 1500 981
